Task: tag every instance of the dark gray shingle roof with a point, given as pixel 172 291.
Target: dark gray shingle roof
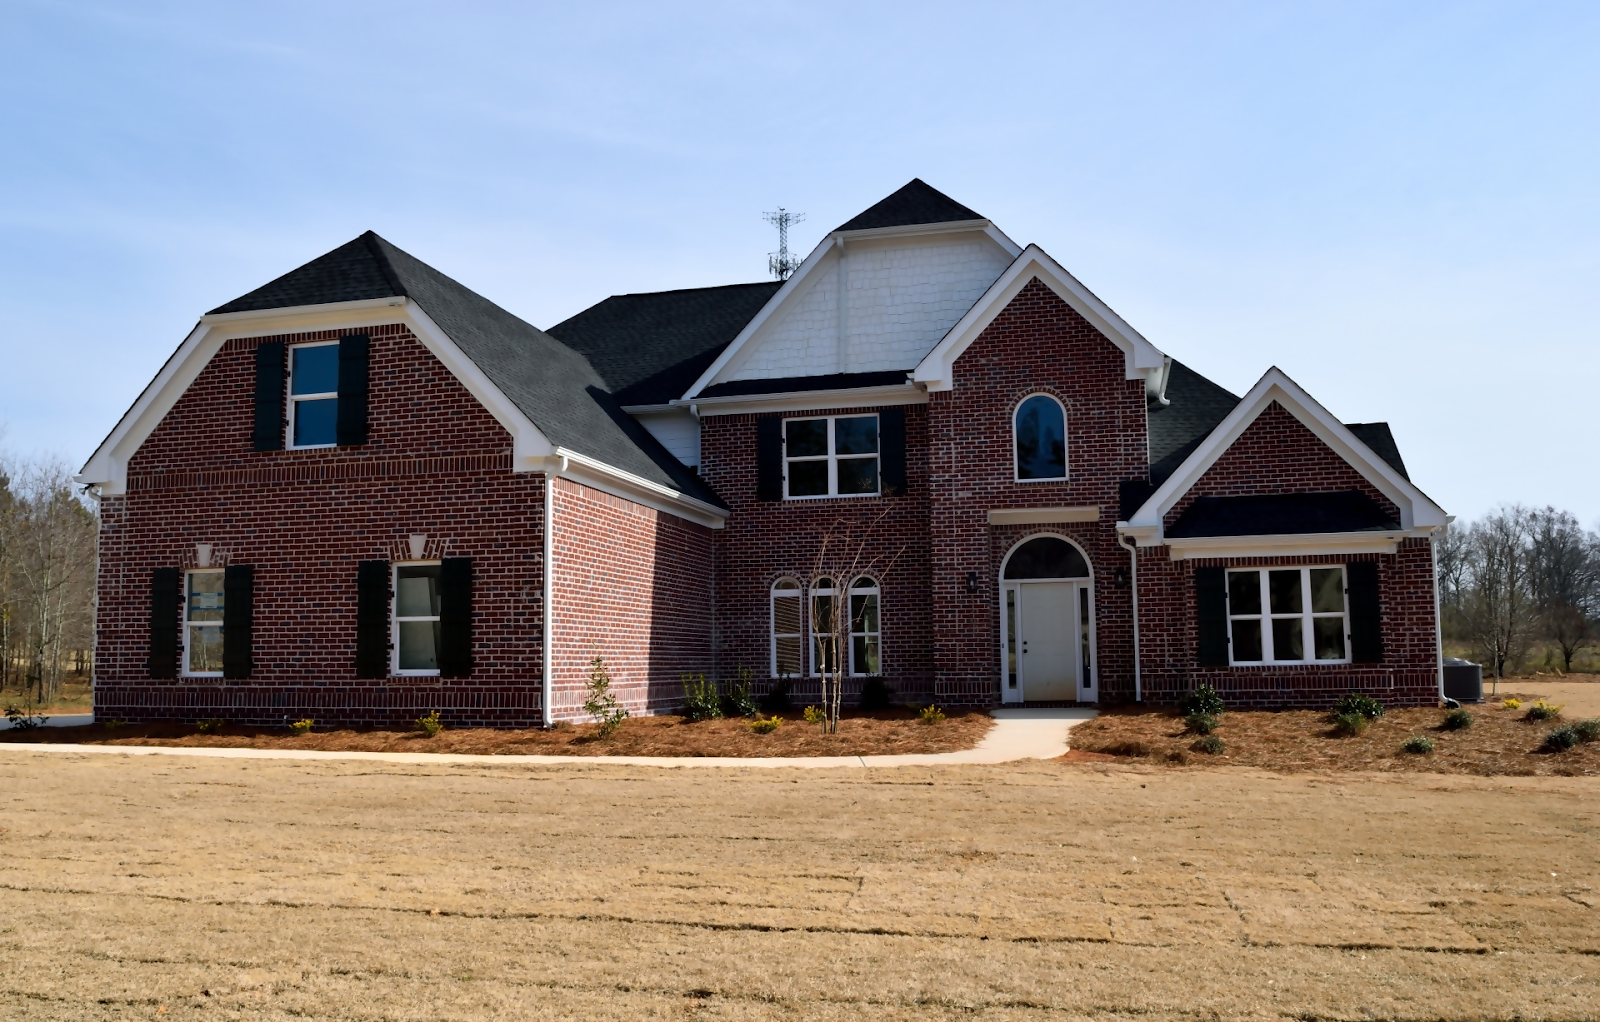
pixel 553 385
pixel 650 348
pixel 1376 435
pixel 916 203
pixel 1195 407
pixel 1282 514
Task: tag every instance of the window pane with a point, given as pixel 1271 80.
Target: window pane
pixel 823 658
pixel 807 438
pixel 1041 440
pixel 808 478
pixel 1246 640
pixel 788 655
pixel 315 422
pixel 1288 641
pixel 315 370
pixel 863 613
pixel 1283 589
pixel 417 591
pixel 1244 595
pixel 865 652
pixel 786 615
pixel 857 475
pixel 205 649
pixel 1329 633
pixel 786 583
pixel 418 641
pixel 1047 557
pixel 822 614
pixel 1011 638
pixel 1327 590
pixel 205 596
pixel 856 435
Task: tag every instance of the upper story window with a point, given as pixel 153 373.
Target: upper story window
pixel 830 456
pixel 1040 431
pixel 1289 615
pixel 416 618
pixel 202 623
pixel 314 394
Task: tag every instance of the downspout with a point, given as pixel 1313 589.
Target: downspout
pixel 1138 680
pixel 547 679
pixel 1438 626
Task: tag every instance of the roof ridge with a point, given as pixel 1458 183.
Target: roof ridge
pixel 375 245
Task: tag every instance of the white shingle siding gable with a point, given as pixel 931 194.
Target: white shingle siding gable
pixel 678 431
pixel 902 296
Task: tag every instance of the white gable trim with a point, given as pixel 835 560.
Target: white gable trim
pixel 1141 358
pixel 1419 515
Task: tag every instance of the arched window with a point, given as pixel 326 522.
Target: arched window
pixel 785 628
pixel 865 637
pixel 1040 428
pixel 824 643
pixel 1046 557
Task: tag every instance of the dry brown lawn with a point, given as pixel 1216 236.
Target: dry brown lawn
pixel 157 887
pixel 886 732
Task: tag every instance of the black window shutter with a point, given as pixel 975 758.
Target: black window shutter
pixel 238 620
pixel 892 451
pixel 1211 614
pixel 268 433
pixel 455 617
pixel 1366 631
pixel 372 619
pixel 351 427
pixel 769 458
pixel 164 623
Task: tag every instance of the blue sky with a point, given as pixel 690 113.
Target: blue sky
pixel 1395 203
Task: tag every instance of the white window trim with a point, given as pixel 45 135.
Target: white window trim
pixel 295 399
pixel 207 624
pixel 395 619
pixel 1016 467
pixel 1011 590
pixel 799 594
pixel 1306 615
pixel 856 589
pixel 832 457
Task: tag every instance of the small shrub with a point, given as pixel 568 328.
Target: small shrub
pixel 210 726
pixel 736 698
pixel 1542 710
pixel 766 725
pixel 1588 730
pixel 602 704
pixel 1201 699
pixel 700 700
pixel 1511 704
pixel 1211 745
pixel 24 719
pixel 430 725
pixel 777 698
pixel 1561 739
pixel 931 714
pixel 114 724
pixel 1355 702
pixel 1200 723
pixel 814 715
pixel 1350 724
pixel 875 694
pixel 300 727
pixel 1457 720
pixel 1419 745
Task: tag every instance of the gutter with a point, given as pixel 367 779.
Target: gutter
pixel 1138 680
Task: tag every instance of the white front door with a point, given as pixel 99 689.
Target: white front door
pixel 1053 642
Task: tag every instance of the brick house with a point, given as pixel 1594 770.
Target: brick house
pixel 362 491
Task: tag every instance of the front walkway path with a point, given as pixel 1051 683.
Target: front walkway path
pixel 1017 734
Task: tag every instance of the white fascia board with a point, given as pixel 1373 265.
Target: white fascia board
pixel 1305 545
pixel 1418 513
pixel 798 280
pixel 291 313
pixel 945 227
pixel 808 400
pixel 1141 358
pixel 581 468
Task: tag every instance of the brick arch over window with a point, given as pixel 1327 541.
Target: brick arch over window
pixel 1039 438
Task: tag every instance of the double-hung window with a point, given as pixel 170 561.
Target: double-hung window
pixel 1288 615
pixel 830 456
pixel 865 638
pixel 314 394
pixel 202 623
pixel 824 643
pixel 861 634
pixel 786 634
pixel 416 619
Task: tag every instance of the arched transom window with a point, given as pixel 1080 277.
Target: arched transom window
pixel 1040 428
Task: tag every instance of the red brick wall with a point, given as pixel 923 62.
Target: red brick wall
pixel 1037 344
pixel 634 585
pixel 886 537
pixel 437 463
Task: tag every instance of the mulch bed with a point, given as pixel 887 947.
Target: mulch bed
pixel 1500 742
pixel 886 732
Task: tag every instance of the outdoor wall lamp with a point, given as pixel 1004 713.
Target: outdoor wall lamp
pixel 972 581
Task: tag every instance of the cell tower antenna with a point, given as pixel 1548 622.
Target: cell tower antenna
pixel 780 263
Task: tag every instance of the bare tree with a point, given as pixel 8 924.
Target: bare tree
pixel 836 616
pixel 1566 580
pixel 1499 607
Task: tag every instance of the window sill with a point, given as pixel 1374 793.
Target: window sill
pixel 1029 482
pixel 312 447
pixel 833 496
pixel 1292 663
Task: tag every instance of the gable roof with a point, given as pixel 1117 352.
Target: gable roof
pixel 1194 407
pixel 1281 514
pixel 651 347
pixel 915 203
pixel 356 271
pixel 1377 436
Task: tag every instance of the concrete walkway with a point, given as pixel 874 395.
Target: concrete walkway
pixel 1017 734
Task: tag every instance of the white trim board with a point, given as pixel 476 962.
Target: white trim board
pixel 1305 545
pixel 808 400
pixel 1043 515
pixel 1142 360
